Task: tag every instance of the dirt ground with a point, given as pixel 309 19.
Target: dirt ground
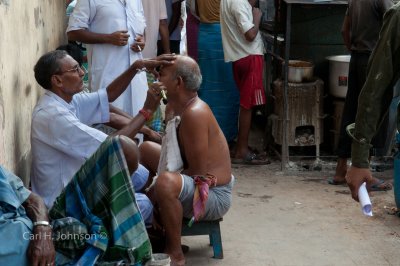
pixel 296 218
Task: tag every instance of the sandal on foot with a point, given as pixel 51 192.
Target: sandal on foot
pixel 332 181
pixel 381 185
pixel 251 159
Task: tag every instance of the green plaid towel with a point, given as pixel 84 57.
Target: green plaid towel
pixel 156 120
pixel 101 196
pixel 69 234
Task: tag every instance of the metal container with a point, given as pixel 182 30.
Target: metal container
pixel 338 75
pixel 300 71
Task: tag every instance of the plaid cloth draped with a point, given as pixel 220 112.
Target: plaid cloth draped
pixel 101 196
pixel 69 226
pixel 201 195
pixel 156 120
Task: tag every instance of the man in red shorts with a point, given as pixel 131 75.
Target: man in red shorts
pixel 244 47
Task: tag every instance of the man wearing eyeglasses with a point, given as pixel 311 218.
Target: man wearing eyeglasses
pixel 62 138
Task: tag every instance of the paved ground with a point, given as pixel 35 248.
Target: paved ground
pixel 296 218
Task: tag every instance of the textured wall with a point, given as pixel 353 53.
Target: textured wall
pixel 27 30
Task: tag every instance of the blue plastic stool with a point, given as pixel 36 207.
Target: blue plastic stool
pixel 210 228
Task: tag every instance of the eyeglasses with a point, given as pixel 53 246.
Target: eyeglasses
pixel 76 68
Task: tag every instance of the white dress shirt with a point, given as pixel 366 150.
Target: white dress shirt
pixel 107 61
pixel 62 139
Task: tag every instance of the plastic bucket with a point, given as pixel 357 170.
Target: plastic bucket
pixel 338 75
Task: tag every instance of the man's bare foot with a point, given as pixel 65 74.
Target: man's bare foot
pixel 177 258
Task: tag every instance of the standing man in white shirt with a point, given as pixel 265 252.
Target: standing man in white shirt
pixel 62 139
pixel 244 47
pixel 156 16
pixel 114 32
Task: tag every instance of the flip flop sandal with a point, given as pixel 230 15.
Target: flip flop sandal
pixel 381 186
pixel 332 181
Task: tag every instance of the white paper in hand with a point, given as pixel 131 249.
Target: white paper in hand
pixel 364 199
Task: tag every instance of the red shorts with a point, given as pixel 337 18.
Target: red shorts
pixel 248 74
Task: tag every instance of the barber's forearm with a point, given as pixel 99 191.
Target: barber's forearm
pixel 120 112
pixel 35 208
pixel 118 121
pixel 132 128
pixel 119 85
pixel 86 36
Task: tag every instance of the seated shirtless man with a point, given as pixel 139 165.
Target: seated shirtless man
pixel 204 153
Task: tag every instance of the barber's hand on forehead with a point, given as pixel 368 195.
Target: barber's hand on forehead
pixel 153 96
pixel 152 65
pixel 119 38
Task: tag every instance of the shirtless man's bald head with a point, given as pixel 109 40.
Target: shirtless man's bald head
pixel 189 70
pixel 186 68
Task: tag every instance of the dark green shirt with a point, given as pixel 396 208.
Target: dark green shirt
pixel 375 97
pixel 362 13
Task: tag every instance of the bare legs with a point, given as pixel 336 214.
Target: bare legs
pixel 165 195
pixel 341 170
pixel 167 189
pixel 244 131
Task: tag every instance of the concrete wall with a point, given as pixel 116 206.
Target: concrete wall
pixel 28 29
